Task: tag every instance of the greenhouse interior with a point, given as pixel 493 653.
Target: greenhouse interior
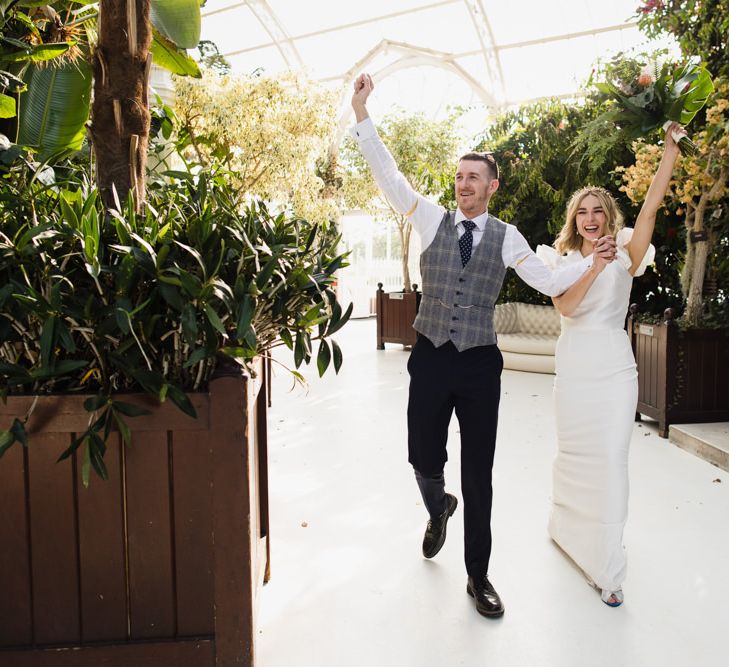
pixel 287 286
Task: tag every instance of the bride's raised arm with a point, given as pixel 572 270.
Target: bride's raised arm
pixel 645 223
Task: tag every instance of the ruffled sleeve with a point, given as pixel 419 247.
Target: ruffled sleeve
pixel 549 256
pixel 622 240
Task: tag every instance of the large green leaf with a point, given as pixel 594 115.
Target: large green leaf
pixel 7 106
pixel 40 53
pixel 167 55
pixel 324 357
pixel 178 20
pixel 54 110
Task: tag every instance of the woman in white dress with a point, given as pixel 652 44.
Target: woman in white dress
pixel 596 384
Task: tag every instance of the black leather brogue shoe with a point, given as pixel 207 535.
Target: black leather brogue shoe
pixel 488 602
pixel 435 531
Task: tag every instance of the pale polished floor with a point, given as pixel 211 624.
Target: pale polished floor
pixel 350 588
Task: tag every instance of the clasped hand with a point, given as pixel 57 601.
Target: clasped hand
pixel 604 251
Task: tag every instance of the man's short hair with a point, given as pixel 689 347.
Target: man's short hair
pixel 484 156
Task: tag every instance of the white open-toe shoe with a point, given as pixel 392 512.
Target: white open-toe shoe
pixel 612 598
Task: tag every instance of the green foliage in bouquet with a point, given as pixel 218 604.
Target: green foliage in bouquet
pixel 646 96
pixel 111 302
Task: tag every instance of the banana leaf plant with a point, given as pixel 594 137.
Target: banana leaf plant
pixel 104 303
pixel 46 55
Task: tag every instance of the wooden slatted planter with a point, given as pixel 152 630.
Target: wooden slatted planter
pixel 160 565
pixel 683 376
pixel 396 313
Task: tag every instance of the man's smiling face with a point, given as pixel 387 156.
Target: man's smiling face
pixel 474 187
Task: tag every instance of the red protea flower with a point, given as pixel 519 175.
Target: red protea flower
pixel 645 80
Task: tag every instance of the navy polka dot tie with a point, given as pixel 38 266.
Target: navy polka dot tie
pixel 465 243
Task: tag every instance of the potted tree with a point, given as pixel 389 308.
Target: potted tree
pixel 112 303
pixel 425 152
pixel 269 132
pixel 53 53
pixel 683 361
pixel 683 351
pixel 104 317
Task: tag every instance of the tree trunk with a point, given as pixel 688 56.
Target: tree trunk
pixel 406 254
pixel 695 301
pixel 404 228
pixel 688 262
pixel 120 112
pixel 699 244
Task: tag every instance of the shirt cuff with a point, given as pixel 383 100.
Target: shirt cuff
pixel 364 130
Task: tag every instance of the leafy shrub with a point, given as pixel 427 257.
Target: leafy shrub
pixel 111 302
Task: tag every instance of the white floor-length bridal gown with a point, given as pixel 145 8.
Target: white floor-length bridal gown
pixel 596 392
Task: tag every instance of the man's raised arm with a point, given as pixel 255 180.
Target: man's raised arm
pixel 393 185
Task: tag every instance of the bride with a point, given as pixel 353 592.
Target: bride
pixel 596 384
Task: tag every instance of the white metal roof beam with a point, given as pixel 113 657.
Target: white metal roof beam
pixel 535 42
pixel 220 10
pixel 425 56
pixel 488 47
pixel 338 28
pixel 285 45
pixel 569 35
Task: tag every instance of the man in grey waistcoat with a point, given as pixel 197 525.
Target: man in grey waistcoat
pixel 455 364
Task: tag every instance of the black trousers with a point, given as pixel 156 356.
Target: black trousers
pixel 442 380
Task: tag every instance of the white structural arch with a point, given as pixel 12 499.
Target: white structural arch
pixel 272 25
pixel 489 82
pixel 488 46
pixel 292 31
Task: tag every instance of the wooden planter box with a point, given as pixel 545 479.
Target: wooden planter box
pixel 396 313
pixel 161 565
pixel 683 376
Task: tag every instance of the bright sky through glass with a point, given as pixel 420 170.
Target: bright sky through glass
pixel 428 55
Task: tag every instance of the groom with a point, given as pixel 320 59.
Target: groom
pixel 455 364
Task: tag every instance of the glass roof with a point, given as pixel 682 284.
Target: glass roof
pixel 428 54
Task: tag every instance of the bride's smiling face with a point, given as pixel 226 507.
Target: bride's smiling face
pixel 591 219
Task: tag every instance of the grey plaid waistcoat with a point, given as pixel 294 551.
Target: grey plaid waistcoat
pixel 458 302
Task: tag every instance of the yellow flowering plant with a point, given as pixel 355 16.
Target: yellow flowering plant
pixel 272 133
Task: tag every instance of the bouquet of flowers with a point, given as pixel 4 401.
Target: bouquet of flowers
pixel 648 96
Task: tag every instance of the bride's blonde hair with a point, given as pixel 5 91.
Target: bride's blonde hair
pixel 569 238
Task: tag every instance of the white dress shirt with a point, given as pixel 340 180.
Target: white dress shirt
pixel 426 217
